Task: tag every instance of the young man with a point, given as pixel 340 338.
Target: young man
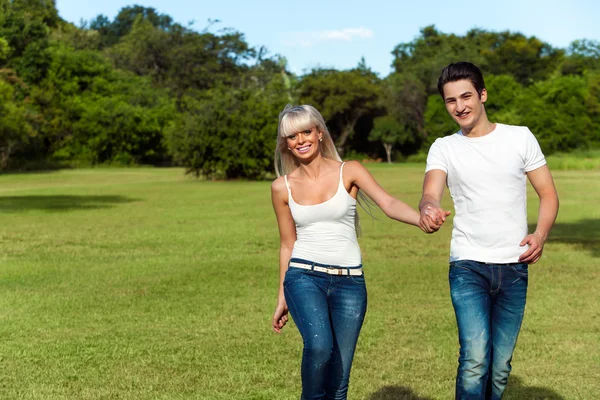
pixel 485 166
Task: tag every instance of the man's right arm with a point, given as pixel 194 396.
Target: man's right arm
pixel 432 214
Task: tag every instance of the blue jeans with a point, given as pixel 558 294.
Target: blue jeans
pixel 329 311
pixel 489 302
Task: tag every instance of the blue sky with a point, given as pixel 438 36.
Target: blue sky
pixel 338 33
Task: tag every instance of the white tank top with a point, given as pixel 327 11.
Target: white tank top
pixel 325 232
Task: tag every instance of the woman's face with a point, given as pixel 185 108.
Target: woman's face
pixel 304 144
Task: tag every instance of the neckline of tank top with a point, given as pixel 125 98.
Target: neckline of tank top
pixel 340 186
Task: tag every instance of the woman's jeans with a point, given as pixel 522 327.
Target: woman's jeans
pixel 329 311
pixel 489 302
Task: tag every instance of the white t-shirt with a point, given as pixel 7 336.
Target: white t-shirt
pixel 487 181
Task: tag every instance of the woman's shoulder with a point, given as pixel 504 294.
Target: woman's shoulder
pixel 278 185
pixel 352 166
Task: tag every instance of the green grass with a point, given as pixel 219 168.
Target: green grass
pixel 576 160
pixel 144 284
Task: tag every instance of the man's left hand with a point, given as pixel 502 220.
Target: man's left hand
pixel 536 243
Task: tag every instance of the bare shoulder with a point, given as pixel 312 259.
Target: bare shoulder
pixel 353 167
pixel 278 186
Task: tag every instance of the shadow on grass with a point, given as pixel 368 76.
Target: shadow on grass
pixel 59 203
pixel 516 390
pixel 584 234
pixel 396 393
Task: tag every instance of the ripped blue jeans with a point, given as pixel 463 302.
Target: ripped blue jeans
pixel 329 311
pixel 489 303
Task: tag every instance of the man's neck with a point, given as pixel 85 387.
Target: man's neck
pixel 482 128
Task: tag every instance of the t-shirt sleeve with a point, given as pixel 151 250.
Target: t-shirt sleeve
pixel 533 157
pixel 435 157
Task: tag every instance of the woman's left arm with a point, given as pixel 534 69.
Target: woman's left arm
pixel 392 207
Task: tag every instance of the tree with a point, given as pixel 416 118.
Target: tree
pixel 342 97
pixel 112 32
pixel 144 50
pixel 95 114
pixel 15 124
pixel 582 56
pixel 4 51
pixel 390 133
pixel 556 112
pixel 503 92
pixel 426 55
pixel 526 59
pixel 404 100
pixel 437 121
pixel 231 133
pixel 115 129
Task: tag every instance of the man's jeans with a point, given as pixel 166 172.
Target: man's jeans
pixel 489 302
pixel 329 311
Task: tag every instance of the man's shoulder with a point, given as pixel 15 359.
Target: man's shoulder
pixel 517 130
pixel 448 139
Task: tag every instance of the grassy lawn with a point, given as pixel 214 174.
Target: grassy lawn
pixel 145 284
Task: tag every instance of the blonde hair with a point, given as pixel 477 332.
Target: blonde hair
pixel 294 119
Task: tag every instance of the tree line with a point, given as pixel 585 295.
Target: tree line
pixel 144 89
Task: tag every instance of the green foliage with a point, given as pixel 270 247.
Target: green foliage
pixel 390 133
pixel 426 55
pixel 26 22
pixel 437 121
pixel 105 91
pixel 404 101
pixel 582 56
pixel 112 32
pixel 78 38
pixel 16 128
pixel 228 134
pixel 95 114
pixel 503 92
pixel 4 50
pixel 342 97
pixel 526 59
pixel 34 63
pixel 556 112
pixel 592 104
pixel 144 50
pixel 202 61
pixel 115 129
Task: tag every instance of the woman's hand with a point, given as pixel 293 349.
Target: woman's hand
pixel 280 316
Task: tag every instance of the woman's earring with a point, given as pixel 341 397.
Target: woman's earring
pixel 320 139
pixel 289 149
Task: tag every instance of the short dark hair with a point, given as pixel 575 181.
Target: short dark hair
pixel 461 70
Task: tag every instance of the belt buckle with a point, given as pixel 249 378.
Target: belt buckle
pixel 340 271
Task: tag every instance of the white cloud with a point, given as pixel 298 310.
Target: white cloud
pixel 347 34
pixel 310 38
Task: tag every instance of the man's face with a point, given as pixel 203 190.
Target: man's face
pixel 463 103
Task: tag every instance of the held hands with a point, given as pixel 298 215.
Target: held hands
pixel 432 218
pixel 536 243
pixel 280 316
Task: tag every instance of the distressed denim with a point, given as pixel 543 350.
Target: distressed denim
pixel 489 303
pixel 329 311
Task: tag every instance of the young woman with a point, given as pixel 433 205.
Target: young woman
pixel 321 275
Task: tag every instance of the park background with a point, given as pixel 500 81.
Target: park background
pixel 139 249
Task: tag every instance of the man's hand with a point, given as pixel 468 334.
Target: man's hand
pixel 536 243
pixel 432 218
